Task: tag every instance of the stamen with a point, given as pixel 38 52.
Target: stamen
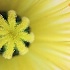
pixel 3 41
pixel 27 37
pixel 3 22
pixel 14 31
pixel 12 18
pixel 9 50
pixel 23 25
pixel 21 47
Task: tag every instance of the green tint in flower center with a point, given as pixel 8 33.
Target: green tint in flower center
pixel 15 33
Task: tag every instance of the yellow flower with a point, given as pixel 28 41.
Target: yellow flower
pixel 50 23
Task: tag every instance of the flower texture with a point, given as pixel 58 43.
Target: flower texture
pixel 50 23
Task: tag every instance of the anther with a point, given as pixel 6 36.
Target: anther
pixel 17 28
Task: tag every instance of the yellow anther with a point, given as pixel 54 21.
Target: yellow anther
pixel 3 41
pixel 12 18
pixel 3 32
pixel 13 34
pixel 9 50
pixel 21 47
pixel 3 22
pixel 23 25
pixel 27 37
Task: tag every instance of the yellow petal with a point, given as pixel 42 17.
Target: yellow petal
pixel 54 52
pixel 52 29
pixel 45 8
pixel 41 56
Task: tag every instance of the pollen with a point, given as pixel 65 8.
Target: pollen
pixel 15 34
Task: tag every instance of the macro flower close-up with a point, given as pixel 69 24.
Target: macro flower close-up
pixel 35 35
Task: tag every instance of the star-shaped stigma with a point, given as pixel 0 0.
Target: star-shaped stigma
pixel 13 35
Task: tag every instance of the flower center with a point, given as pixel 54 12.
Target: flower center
pixel 15 34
